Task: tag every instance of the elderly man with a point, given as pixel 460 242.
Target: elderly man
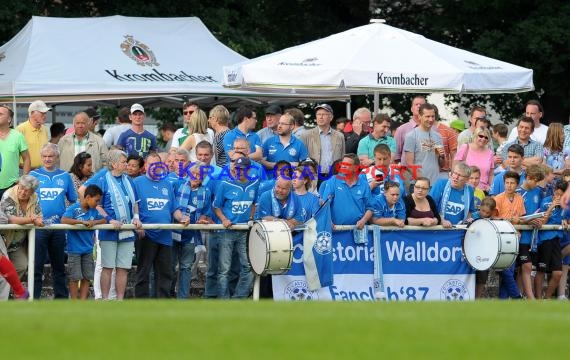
pixel 35 132
pixel 12 146
pixel 82 139
pixel 55 187
pixel 137 140
pixel 454 198
pixel 272 115
pixel 324 144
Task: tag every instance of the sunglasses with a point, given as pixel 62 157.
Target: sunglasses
pixel 189 112
pixel 483 137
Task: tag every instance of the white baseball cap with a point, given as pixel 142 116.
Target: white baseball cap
pixel 38 105
pixel 137 107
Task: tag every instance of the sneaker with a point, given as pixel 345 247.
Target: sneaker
pixel 24 296
pixel 562 297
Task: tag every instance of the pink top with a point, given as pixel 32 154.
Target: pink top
pixel 483 159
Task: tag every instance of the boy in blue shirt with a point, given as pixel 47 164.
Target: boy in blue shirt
pixel 549 254
pixel 532 196
pixel 80 243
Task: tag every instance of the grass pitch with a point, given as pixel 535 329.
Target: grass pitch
pixel 279 330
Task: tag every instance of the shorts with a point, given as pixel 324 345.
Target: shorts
pixel 524 254
pixel 117 254
pixel 481 277
pixel 80 266
pixel 549 256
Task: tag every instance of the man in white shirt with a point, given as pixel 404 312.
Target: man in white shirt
pixel 533 109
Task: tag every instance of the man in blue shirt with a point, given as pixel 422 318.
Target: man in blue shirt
pixel 283 146
pixel 514 161
pixel 234 204
pixel 352 202
pixel 246 121
pixel 55 187
pixel 280 203
pixel 455 199
pixel 137 140
pixel 154 247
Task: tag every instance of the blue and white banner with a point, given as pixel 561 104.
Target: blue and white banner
pixel 416 265
pixel 318 237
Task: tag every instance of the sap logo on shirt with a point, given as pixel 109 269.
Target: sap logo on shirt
pixel 454 208
pixel 156 204
pixel 240 207
pixel 50 193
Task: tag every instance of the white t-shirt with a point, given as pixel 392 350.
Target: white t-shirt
pixel 538 135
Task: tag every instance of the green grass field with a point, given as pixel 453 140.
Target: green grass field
pixel 270 330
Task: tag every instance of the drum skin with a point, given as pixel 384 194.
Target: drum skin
pixel 490 244
pixel 270 247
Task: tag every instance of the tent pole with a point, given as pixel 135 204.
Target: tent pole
pixel 348 109
pixel 15 119
pixel 376 103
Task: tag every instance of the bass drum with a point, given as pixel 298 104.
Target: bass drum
pixel 490 244
pixel 270 247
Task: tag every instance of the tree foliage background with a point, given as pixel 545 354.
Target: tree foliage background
pixel 524 32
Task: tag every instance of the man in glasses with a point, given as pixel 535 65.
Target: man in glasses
pixel 477 119
pixel 188 108
pixel 455 199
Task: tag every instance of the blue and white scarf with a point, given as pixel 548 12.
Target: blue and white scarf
pixel 277 209
pixel 193 212
pixel 120 201
pixel 445 199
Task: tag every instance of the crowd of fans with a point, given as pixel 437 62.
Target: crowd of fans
pixel 424 173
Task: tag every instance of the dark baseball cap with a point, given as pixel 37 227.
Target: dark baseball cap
pixel 243 162
pixel 92 113
pixel 273 110
pixel 326 107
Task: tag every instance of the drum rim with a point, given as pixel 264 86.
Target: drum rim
pixel 498 243
pixel 268 247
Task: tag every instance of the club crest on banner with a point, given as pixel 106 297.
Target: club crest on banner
pixel 299 291
pixel 323 244
pixel 454 290
pixel 138 51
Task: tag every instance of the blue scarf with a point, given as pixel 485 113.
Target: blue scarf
pixel 120 201
pixel 189 210
pixel 277 209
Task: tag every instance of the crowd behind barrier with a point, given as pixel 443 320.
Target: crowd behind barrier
pixel 215 180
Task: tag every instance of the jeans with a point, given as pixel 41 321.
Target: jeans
pixel 508 287
pixel 183 257
pixel 229 241
pixel 50 244
pixel 149 255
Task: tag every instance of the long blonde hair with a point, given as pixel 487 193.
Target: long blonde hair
pixel 198 123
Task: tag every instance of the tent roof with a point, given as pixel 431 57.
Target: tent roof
pixel 91 60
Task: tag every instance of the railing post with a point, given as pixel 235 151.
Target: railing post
pixel 31 261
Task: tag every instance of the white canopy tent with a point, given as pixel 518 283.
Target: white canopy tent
pixel 377 58
pixel 119 60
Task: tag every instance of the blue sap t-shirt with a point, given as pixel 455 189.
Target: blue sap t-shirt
pixel 55 187
pixel 156 206
pixel 80 242
pixel 455 210
pixel 139 144
pixel 235 199
pixel 349 203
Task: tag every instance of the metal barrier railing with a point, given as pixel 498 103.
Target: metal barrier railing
pixel 242 227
